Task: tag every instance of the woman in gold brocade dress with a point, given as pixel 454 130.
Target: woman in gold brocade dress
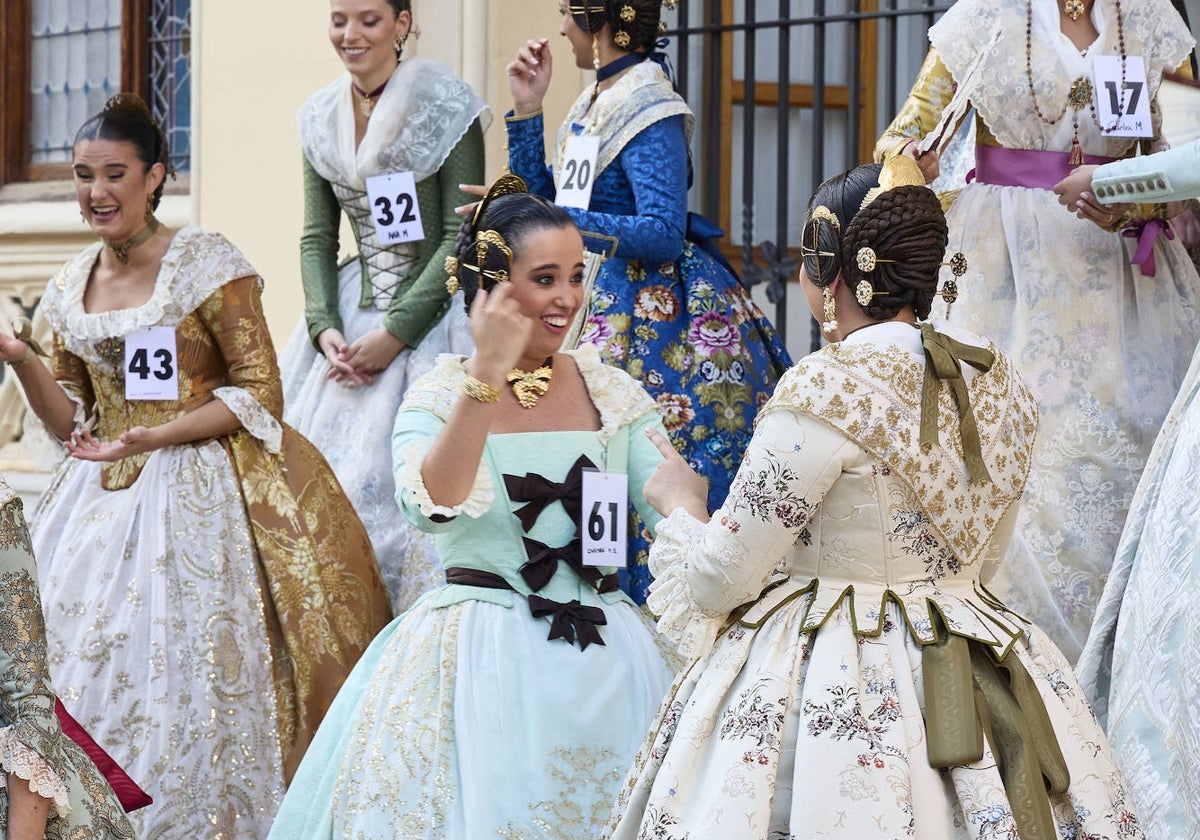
pixel 207 586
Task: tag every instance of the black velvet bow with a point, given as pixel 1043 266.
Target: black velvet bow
pixel 570 621
pixel 540 492
pixel 543 562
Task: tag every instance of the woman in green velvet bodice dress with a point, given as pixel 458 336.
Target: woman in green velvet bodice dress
pixel 387 143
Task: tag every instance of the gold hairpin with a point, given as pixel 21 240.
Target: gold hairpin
pixel 628 13
pixel 949 291
pixel 451 266
pixel 824 213
pixel 491 237
pixel 957 264
pixel 506 184
pixel 866 259
pixel 864 293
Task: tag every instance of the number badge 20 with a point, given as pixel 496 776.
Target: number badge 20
pixel 577 172
pixel 394 209
pixel 605 523
pixel 150 365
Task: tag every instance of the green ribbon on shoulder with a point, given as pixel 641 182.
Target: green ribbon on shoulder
pixel 943 358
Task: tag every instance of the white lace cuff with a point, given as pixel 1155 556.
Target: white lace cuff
pixel 670 596
pixel 18 758
pixel 477 503
pixel 254 417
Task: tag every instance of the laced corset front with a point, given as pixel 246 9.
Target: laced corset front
pixel 386 266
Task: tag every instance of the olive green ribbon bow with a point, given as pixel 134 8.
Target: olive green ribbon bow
pixel 943 356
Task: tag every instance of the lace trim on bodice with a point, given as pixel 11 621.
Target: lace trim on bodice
pixel 998 88
pixel 619 399
pixel 640 98
pixel 386 266
pixel 18 758
pixel 420 117
pixel 196 264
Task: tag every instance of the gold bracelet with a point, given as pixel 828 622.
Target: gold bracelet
pixel 479 390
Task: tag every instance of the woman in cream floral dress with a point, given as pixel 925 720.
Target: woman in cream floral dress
pixel 853 676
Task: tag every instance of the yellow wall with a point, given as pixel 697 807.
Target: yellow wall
pixel 256 63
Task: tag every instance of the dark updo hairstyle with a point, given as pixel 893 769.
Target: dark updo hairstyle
pixel 126 118
pixel 514 217
pixel 638 33
pixel 904 226
pixel 399 6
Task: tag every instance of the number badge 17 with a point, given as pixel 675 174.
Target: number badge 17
pixel 577 172
pixel 605 518
pixel 150 365
pixel 1122 111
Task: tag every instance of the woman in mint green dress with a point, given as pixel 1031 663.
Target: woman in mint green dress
pixel 509 702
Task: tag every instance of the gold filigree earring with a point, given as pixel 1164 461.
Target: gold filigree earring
pixel 829 325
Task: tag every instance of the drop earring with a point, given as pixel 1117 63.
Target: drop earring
pixel 830 324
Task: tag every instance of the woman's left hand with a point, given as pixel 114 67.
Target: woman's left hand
pixel 372 353
pixel 136 441
pixel 1105 216
pixel 674 484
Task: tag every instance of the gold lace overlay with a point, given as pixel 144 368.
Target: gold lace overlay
pixel 874 398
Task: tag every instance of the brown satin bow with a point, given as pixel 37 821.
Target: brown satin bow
pixel 540 492
pixel 543 563
pixel 943 355
pixel 570 621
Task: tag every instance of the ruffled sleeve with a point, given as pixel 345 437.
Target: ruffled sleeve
pixel 704 570
pixel 409 451
pixel 234 316
pixel 30 739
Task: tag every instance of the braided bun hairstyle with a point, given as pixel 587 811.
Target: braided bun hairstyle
pixel 126 118
pixel 514 217
pixel 633 24
pixel 905 228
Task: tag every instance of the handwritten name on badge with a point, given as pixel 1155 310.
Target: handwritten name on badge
pixel 394 208
pixel 1122 99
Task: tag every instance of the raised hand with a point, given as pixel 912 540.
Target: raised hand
pixel 529 76
pixel 674 484
pixel 930 166
pixel 500 332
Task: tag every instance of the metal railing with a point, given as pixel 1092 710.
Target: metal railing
pixel 786 94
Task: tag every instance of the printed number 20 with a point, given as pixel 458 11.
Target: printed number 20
pixel 579 174
pixel 140 364
pixel 387 217
pixel 596 523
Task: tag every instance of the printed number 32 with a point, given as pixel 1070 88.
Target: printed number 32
pixel 404 203
pixel 140 364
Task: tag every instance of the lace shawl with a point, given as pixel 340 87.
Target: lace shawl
pixel 873 397
pixel 998 88
pixel 418 120
pixel 640 98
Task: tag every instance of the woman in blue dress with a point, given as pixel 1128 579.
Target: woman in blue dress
pixel 509 702
pixel 663 308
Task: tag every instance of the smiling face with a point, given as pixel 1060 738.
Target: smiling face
pixel 113 187
pixel 547 283
pixel 364 33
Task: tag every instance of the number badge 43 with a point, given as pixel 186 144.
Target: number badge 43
pixel 150 365
pixel 605 523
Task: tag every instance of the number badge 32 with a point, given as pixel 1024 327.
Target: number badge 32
pixel 397 217
pixel 605 523
pixel 150 365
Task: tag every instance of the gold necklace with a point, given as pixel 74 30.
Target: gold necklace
pixel 1073 9
pixel 529 387
pixel 121 250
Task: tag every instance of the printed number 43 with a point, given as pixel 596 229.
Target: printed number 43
pixel 404 203
pixel 140 364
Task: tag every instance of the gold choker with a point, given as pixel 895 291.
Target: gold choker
pixel 121 250
pixel 529 387
pixel 1074 9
